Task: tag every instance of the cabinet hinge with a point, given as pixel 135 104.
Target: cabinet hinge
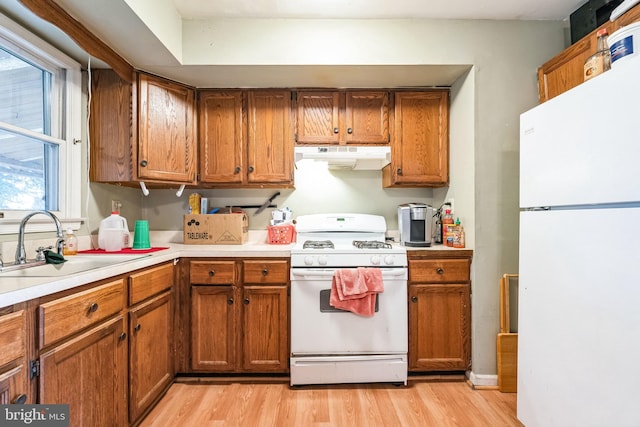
pixel 294 95
pixel 34 368
pixel 198 177
pixel 388 137
pixel 295 137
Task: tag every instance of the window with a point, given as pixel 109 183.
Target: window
pixel 40 96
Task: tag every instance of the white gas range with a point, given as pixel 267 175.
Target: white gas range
pixel 331 345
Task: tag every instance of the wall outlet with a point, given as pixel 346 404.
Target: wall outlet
pixel 115 206
pixel 451 206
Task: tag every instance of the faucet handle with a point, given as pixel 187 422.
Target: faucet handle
pixel 40 252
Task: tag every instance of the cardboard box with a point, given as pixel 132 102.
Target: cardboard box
pixel 216 229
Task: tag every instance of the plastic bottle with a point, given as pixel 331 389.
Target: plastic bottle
pixel 458 240
pixel 600 61
pixel 113 234
pixel 447 220
pixel 70 243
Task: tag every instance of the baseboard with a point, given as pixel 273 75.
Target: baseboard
pixel 482 380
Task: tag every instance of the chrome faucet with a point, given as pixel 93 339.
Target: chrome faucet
pixel 21 255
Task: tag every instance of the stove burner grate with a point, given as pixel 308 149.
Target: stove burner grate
pixel 318 244
pixel 371 244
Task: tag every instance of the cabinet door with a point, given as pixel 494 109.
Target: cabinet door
pixel 566 70
pixel 265 325
pixel 439 327
pixel 367 117
pixel 13 385
pixel 166 131
pixel 317 118
pixel 151 352
pixel 214 328
pixel 270 137
pixel 420 142
pixel 89 373
pixel 14 373
pixel 221 137
pixel 111 128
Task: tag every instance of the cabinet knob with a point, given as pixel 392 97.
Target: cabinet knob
pixel 143 163
pixel 399 171
pixel 93 307
pixel 20 400
pixel 349 131
pixel 440 270
pixel 414 299
pixel 212 273
pixel 250 169
pixel 246 301
pixel 335 130
pixel 230 301
pixel 236 170
pixel 137 327
pixel 123 336
pixel 265 271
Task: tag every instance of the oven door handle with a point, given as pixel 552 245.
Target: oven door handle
pixel 311 273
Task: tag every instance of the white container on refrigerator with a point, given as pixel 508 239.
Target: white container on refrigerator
pixel 578 320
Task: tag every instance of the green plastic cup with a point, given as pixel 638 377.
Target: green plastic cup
pixel 141 235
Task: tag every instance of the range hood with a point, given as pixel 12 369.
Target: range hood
pixel 347 157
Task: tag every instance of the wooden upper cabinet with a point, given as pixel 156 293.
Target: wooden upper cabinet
pixel 269 137
pixel 632 15
pixel 420 140
pixel 142 131
pixel 566 70
pixel 339 117
pixel 367 117
pixel 166 131
pixel 222 136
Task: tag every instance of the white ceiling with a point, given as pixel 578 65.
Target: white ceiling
pixel 151 53
pixel 441 9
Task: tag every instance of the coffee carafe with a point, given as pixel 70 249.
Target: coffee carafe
pixel 414 224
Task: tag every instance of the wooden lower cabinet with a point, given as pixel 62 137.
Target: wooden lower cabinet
pixel 264 322
pixel 439 312
pixel 89 373
pixel 214 332
pixel 239 316
pixel 14 372
pixel 151 368
pixel 108 350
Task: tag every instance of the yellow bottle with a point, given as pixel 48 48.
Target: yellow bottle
pixel 70 243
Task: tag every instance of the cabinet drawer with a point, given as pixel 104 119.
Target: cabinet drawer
pixel 265 271
pixel 212 272
pixel 150 282
pixel 12 334
pixel 68 315
pixel 439 270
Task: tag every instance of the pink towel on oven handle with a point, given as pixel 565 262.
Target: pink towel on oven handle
pixel 355 290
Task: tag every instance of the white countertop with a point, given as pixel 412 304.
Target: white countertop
pixel 14 290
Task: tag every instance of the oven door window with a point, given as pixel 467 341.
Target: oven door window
pixel 325 307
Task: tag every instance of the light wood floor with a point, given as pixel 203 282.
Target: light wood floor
pixel 438 404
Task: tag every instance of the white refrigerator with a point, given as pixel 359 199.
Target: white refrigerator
pixel 579 284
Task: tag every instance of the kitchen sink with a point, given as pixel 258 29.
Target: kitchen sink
pixel 74 264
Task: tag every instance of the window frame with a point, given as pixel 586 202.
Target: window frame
pixel 24 43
